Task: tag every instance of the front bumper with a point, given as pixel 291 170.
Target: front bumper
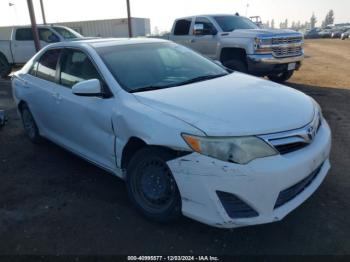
pixel 268 64
pixel 257 184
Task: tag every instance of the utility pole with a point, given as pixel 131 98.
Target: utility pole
pixel 129 18
pixel 34 27
pixel 43 11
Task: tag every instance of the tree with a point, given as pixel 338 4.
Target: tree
pixel 273 23
pixel 329 20
pixel 286 24
pixel 313 21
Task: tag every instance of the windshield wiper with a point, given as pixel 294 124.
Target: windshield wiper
pixel 200 78
pixel 148 88
pixel 190 81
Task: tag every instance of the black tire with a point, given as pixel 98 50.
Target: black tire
pixel 5 67
pixel 281 77
pixel 151 185
pixel 29 125
pixel 236 65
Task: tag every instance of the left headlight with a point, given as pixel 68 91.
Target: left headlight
pixel 240 150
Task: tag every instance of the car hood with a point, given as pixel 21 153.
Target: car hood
pixel 262 32
pixel 234 105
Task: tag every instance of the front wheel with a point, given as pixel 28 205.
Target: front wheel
pixel 151 185
pixel 281 77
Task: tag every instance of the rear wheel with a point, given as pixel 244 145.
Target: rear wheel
pixel 236 65
pixel 281 77
pixel 29 125
pixel 151 185
pixel 5 67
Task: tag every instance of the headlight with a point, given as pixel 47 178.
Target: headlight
pixel 263 45
pixel 240 150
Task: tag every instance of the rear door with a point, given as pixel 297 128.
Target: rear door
pixel 82 123
pixel 181 31
pixel 38 86
pixel 23 47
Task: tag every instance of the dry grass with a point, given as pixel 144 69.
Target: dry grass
pixel 327 64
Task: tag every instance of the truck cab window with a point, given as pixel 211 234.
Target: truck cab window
pixel 208 27
pixel 182 27
pixel 48 36
pixel 24 34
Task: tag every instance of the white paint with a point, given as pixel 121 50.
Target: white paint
pixel 98 129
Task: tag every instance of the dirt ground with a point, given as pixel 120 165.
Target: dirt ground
pixel 52 202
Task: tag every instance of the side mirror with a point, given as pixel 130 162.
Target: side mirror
pixel 198 29
pixel 90 87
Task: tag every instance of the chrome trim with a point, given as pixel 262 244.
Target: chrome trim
pixel 270 59
pixel 305 134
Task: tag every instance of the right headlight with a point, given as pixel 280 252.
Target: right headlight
pixel 263 45
pixel 240 150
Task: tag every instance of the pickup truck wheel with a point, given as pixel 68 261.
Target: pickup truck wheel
pixel 281 77
pixel 151 185
pixel 236 65
pixel 5 67
pixel 29 125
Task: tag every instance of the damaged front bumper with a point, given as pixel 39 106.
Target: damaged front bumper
pixel 255 187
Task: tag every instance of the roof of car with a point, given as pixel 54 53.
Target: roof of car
pixel 104 42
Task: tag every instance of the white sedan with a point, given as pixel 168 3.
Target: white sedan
pixel 187 136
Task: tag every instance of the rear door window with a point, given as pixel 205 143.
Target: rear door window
pixel 24 34
pixel 47 65
pixel 182 27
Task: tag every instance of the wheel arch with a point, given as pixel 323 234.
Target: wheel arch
pixel 233 53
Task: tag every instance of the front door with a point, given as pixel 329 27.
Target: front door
pixel 83 124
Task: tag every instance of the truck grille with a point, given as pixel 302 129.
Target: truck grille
pixel 287 51
pixel 286 40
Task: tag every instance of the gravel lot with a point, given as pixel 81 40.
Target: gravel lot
pixel 52 202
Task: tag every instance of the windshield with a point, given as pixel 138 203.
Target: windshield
pixel 67 33
pixel 150 66
pixel 229 23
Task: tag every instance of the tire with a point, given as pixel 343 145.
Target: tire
pixel 151 185
pixel 281 77
pixel 29 125
pixel 236 65
pixel 5 67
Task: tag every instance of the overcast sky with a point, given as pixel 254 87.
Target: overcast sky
pixel 163 12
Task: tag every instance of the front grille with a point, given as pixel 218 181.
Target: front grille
pixel 287 51
pixel 286 40
pixel 289 148
pixel 290 193
pixel 234 207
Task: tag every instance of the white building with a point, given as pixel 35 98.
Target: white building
pixel 100 28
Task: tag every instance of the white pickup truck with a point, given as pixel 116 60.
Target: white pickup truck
pixel 241 45
pixel 20 48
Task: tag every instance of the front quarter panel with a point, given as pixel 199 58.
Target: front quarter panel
pixel 133 119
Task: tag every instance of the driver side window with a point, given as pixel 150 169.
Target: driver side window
pixel 76 66
pixel 48 36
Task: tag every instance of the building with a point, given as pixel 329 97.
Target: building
pixel 100 28
pixel 111 27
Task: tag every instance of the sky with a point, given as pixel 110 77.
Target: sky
pixel 163 12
